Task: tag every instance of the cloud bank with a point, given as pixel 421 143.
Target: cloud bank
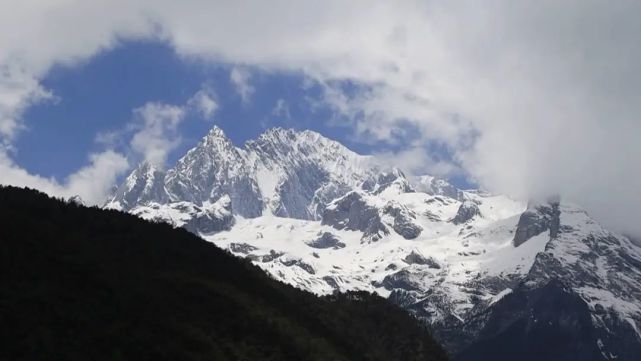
pixel 91 182
pixel 531 98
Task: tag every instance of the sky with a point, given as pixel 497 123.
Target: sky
pixel 101 97
pixel 524 98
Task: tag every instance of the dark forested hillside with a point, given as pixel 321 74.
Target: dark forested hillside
pixel 81 283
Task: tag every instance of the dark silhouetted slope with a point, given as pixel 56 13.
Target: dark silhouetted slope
pixel 88 284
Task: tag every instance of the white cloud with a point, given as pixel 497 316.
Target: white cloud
pixel 240 78
pixel 418 161
pixel 156 131
pixel 281 110
pixel 36 35
pixel 18 90
pixel 154 127
pixel 109 139
pixel 92 183
pixel 153 134
pixel 204 102
pixel 533 97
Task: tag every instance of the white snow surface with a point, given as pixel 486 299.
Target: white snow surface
pixel 481 247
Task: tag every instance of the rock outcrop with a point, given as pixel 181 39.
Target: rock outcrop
pixel 353 212
pixel 467 210
pixel 326 240
pixel 537 219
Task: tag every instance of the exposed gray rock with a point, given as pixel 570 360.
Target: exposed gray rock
pixel 145 184
pixel 404 220
pixel 213 219
pixel 331 281
pixel 352 212
pixel 299 263
pixel 391 267
pixel 384 180
pixel 243 248
pixel 467 211
pixel 298 190
pixel 272 255
pixel 324 195
pixel 309 163
pixel 213 168
pixel 403 298
pixel 537 219
pixel 417 258
pixel 306 267
pixel 403 279
pixel 326 240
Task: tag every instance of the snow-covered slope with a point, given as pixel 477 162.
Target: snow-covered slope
pixel 454 254
pixel 318 216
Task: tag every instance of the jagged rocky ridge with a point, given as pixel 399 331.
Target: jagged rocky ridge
pixel 282 173
pixel 316 215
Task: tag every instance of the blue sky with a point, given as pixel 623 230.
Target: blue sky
pixel 100 95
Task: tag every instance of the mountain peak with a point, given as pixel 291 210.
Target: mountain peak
pixel 287 172
pixel 216 132
pixel 216 139
pixel 216 136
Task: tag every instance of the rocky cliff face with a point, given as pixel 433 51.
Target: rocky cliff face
pixel 213 169
pixel 466 212
pixel 283 172
pixel 355 212
pixel 536 219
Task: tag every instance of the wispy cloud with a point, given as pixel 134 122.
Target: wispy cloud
pixel 416 160
pixel 155 128
pixel 204 102
pixel 18 91
pixel 241 79
pixel 281 110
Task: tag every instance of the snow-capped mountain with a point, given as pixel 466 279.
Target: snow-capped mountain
pixel 284 173
pixel 479 268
